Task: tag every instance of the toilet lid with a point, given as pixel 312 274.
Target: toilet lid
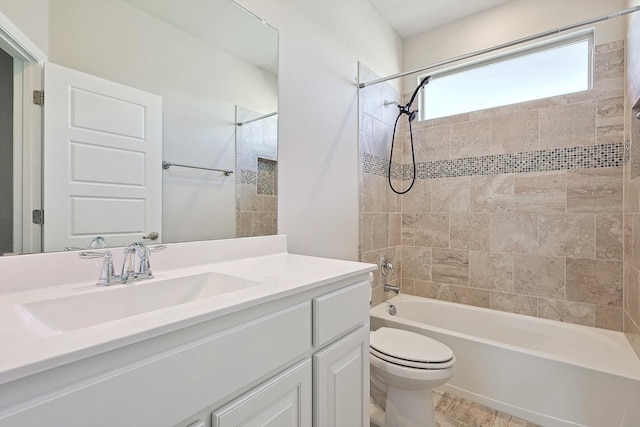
pixel 409 346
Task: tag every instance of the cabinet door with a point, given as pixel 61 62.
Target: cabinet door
pixel 284 401
pixel 341 382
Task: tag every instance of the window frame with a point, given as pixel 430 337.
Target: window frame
pixel 529 49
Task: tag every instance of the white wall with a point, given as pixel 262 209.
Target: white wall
pixel 507 22
pixel 321 42
pixel 32 17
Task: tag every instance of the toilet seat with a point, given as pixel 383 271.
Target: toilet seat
pixel 410 349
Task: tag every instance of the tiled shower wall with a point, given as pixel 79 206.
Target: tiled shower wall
pixel 517 208
pixel 256 163
pixel 632 193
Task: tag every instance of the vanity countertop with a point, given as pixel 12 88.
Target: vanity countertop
pixel 28 347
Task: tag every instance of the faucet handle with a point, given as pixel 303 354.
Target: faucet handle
pixel 385 266
pixel 107 272
pixel 144 253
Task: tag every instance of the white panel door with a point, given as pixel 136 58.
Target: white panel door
pixel 102 173
pixel 284 401
pixel 341 382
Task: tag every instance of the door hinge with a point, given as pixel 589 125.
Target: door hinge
pixel 38 97
pixel 38 216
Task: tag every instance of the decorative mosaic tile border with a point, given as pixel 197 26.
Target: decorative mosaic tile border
pixel 248 176
pixel 597 156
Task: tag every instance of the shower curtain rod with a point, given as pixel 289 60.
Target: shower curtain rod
pixel 502 46
pixel 256 119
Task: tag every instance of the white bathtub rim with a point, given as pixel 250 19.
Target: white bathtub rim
pixel 628 372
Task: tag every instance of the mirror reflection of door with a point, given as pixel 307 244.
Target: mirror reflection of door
pixel 102 161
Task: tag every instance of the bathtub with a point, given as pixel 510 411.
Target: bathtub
pixel 550 373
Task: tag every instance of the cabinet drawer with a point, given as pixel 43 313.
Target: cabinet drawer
pixel 284 401
pixel 340 311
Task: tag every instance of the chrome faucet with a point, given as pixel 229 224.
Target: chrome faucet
pixel 129 272
pixel 392 288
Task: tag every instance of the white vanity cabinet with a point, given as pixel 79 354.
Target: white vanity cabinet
pixel 296 358
pixel 340 373
pixel 341 366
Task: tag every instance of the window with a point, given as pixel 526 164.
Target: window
pixel 550 69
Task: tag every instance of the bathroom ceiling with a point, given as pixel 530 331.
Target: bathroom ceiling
pixel 411 17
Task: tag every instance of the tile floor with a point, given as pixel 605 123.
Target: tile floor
pixel 453 411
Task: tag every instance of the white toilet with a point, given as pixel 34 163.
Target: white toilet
pixel 407 366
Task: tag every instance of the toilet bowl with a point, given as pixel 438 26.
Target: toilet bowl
pixel 407 366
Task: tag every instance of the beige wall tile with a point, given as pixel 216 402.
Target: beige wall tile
pixel 609 236
pixel 249 200
pixel 491 270
pixel 514 133
pixel 540 192
pixel 566 311
pixel 432 230
pixel 594 281
pixel 627 237
pixel 471 138
pixel 632 194
pixel 431 290
pixel 450 195
pixel 608 65
pixel 635 145
pixel 516 232
pixel 469 296
pixel 608 88
pixel 377 296
pixel 418 200
pixel 608 318
pixel 632 292
pixel 539 276
pixel 408 229
pixel 380 230
pixel 263 224
pixel 450 266
pixel 594 190
pixel 610 120
pixel 380 139
pixel 407 287
pixel 492 193
pixel 246 219
pixel 372 195
pixel 395 229
pixel 470 231
pixel 270 203
pixel 416 263
pixel 571 235
pixel 572 125
pixel 634 260
pixel 514 303
pixel 432 143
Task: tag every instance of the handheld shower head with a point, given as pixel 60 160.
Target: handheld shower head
pixel 406 109
pixel 422 84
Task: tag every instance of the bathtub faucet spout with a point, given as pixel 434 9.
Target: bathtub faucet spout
pixel 392 288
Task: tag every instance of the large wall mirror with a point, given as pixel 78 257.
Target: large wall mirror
pixel 213 66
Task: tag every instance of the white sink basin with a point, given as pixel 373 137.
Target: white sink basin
pixel 80 311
